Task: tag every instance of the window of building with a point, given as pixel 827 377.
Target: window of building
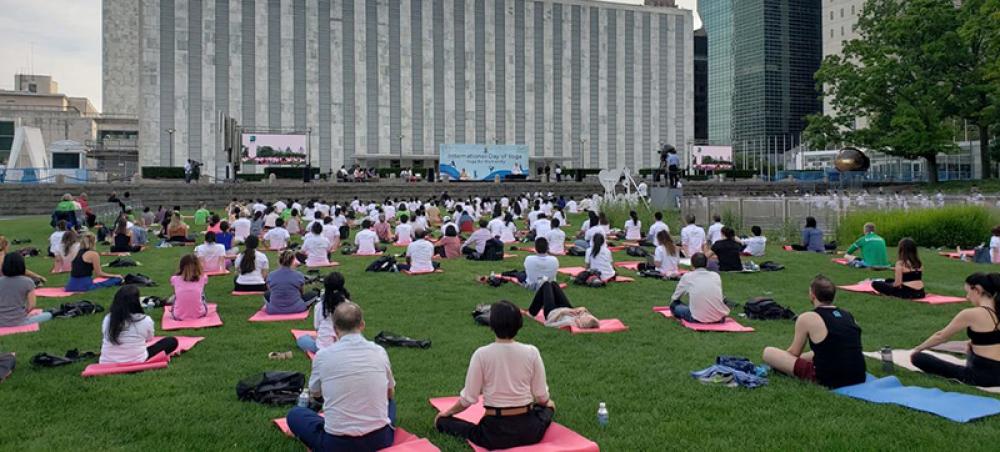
pixel 32 88
pixel 841 30
pixel 6 139
pixel 831 32
pixel 65 160
pixel 852 10
pixel 841 13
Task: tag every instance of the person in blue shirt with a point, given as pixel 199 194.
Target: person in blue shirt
pixel 225 237
pixel 812 238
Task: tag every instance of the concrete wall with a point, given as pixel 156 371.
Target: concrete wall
pixel 120 51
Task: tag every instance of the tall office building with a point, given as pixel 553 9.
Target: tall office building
pixel 717 17
pixel 776 47
pixel 700 85
pixel 839 18
pixel 584 83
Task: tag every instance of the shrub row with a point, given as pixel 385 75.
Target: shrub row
pixel 950 226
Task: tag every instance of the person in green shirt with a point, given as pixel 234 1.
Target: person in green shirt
pixel 201 215
pixel 67 204
pixel 873 252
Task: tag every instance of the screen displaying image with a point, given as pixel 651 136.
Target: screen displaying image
pixel 266 149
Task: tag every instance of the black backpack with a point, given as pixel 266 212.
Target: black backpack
pixel 771 266
pixel 77 308
pixel 764 308
pixel 576 251
pixel 123 262
pixel 482 314
pixel 139 279
pixel 382 264
pixel 390 339
pixel 589 278
pixel 982 255
pixel 636 251
pixel 493 251
pixel 348 249
pixel 272 388
pixel 46 360
pixel 28 252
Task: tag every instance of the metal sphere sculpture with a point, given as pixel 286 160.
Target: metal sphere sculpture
pixel 851 159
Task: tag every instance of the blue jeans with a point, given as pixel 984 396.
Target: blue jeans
pixel 86 284
pixel 681 311
pixel 308 427
pixel 307 343
pixel 43 317
pixel 582 244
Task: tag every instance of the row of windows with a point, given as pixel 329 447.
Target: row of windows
pixel 853 12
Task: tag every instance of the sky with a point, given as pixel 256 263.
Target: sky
pixel 62 38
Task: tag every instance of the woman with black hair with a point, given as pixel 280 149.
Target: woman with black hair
pixel 908 281
pixel 334 293
pixel 982 325
pixel 812 238
pixel 286 288
pixel 17 294
pixel 127 331
pixel 727 251
pixel 122 242
pixel 251 266
pixel 510 377
pixel 598 259
pixel 633 227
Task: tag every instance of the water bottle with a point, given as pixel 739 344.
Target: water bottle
pixel 887 364
pixel 602 415
pixel 304 398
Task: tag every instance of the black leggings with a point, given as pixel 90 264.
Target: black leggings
pixel 126 249
pixel 904 292
pixel 166 345
pixel 496 432
pixel 977 371
pixel 250 287
pixel 548 297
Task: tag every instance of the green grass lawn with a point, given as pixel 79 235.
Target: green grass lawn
pixel 642 374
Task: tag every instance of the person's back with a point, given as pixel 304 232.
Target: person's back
pixel 601 262
pixel 189 302
pixel 728 252
pixel 14 299
pixel 365 241
pixel 277 238
pixel 452 246
pixel 539 266
pixel 838 355
pixel 200 216
pixel 873 250
pixel 285 286
pixel 316 248
pixel 383 231
pixel 812 238
pixel 131 344
pixel 756 245
pixel 668 263
pixel 542 226
pixel 404 234
pixel 692 239
pixel 704 290
pixel 355 377
pixel 241 229
pixel 557 241
pixel 421 253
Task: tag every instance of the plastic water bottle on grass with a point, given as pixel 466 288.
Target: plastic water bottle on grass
pixel 304 398
pixel 602 415
pixel 887 364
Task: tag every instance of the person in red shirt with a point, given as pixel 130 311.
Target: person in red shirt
pixel 87 212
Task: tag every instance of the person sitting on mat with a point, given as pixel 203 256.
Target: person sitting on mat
pixel 127 330
pixel 727 251
pixel 294 224
pixel 177 230
pixel 277 238
pixel 382 229
pixel 286 288
pixel 836 358
pixel 331 232
pixel 477 241
pixel 450 246
pixel 65 252
pixel 35 277
pixel 17 294
pixel 366 240
pixel 692 238
pixel 599 260
pixel 755 245
pixel 715 230
pixel 315 247
pixel 704 290
pixel 354 378
pixel 654 229
pixel 633 227
pixel 86 266
pixel 251 268
pixel 211 255
pixel 508 231
pixel 189 290
pixel 334 293
pixel 225 237
pixel 666 258
pixel 539 267
pixel 873 252
pixel 556 238
pixel 908 282
pixel 404 231
pixel 812 238
pixel 419 255
pixel 982 325
pixel 510 377
pixel 122 242
pixel 558 312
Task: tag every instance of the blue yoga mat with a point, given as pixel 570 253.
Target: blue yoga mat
pixel 954 406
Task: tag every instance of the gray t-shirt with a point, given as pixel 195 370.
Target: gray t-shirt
pixel 14 299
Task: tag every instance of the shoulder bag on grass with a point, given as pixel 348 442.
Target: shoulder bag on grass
pixel 271 388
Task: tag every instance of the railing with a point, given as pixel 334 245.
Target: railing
pixel 43 175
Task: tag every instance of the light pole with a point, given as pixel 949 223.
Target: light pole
pixel 171 131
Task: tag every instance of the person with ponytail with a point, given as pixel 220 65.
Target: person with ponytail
pixel 633 227
pixel 908 283
pixel 251 267
pixel 666 258
pixel 86 266
pixel 599 259
pixel 334 293
pixel 982 325
pixel 127 331
pixel 189 289
pixel 509 230
pixel 286 288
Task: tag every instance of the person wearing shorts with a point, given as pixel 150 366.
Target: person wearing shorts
pixel 834 338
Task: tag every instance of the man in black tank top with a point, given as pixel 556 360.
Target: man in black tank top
pixel 835 339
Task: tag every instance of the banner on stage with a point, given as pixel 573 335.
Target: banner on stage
pixel 713 158
pixel 478 162
pixel 273 149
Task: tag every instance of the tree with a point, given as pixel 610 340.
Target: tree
pixel 900 76
pixel 978 77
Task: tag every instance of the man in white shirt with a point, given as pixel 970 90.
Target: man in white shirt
pixel 541 226
pixel 755 245
pixel 316 247
pixel 495 225
pixel 277 238
pixel 355 380
pixel 331 232
pixel 477 241
pixel 657 226
pixel 241 229
pixel 571 207
pixel 704 290
pixel 420 255
pixel 211 255
pixel 692 237
pixel 540 266
pixel 270 218
pixel 404 231
pixel 556 239
pixel 715 230
pixel 365 239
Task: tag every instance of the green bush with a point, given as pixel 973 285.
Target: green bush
pixel 162 172
pixel 950 226
pixel 617 213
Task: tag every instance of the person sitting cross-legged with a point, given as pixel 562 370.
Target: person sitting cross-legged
pixel 873 252
pixel 706 304
pixel 909 274
pixel 419 255
pixel 286 288
pixel 835 339
pixel 541 266
pixel 354 378
pixel 510 377
pixel 334 293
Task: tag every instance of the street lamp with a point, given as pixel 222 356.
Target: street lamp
pixel 171 132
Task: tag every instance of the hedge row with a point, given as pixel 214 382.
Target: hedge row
pixel 950 226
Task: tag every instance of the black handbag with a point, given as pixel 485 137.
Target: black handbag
pixel 271 388
pixel 388 339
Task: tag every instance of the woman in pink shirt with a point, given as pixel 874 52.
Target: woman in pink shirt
pixel 450 246
pixel 189 290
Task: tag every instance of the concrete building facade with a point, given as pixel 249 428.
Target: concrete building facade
pixel 583 83
pixel 839 19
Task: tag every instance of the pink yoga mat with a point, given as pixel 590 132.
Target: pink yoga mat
pixel 866 287
pixel 59 292
pixel 628 265
pixel 212 319
pixel 299 333
pixel 327 265
pixel 615 249
pixel 557 438
pixel 606 325
pixel 954 255
pixel 729 326
pixel 217 273
pixel 788 248
pixel 407 272
pixel 263 316
pixel 572 271
pixel 184 343
pixel 404 441
pixel 839 260
pixel 157 362
pixel 246 294
pixel 30 328
pixel 120 254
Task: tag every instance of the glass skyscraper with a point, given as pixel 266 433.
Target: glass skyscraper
pixel 717 17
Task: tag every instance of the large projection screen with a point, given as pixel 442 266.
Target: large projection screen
pixel 477 162
pixel 273 149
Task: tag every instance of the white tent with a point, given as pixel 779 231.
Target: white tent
pixel 28 150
